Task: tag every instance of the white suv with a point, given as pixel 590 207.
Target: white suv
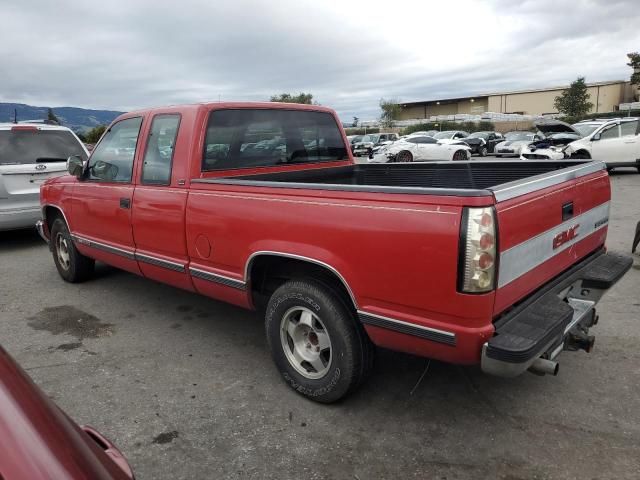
pixel 29 154
pixel 614 140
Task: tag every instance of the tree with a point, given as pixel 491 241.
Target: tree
pixel 52 117
pixel 306 98
pixel 355 122
pixel 574 101
pixel 390 111
pixel 93 135
pixel 634 62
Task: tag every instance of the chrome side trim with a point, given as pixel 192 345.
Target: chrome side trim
pixel 214 277
pixel 524 257
pixel 254 255
pixel 128 254
pixel 433 334
pixel 517 188
pixel 158 262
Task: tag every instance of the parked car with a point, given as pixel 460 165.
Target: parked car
pixel 616 140
pixel 483 143
pixel 39 441
pixel 369 142
pixel 421 149
pixel 450 136
pixel 311 238
pixel 423 133
pixel 29 154
pixel 556 135
pixel 513 143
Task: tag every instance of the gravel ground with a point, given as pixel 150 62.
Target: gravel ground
pixel 185 386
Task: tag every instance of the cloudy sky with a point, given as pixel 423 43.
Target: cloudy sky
pixel 130 54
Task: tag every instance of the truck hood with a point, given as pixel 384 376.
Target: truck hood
pixel 549 126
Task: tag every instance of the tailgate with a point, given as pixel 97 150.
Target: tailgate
pixel 546 226
pixel 20 184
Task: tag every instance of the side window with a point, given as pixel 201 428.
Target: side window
pixel 156 168
pixel 112 159
pixel 611 132
pixel 249 138
pixel 629 129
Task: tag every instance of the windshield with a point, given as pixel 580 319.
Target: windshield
pixel 370 138
pixel 441 135
pixel 26 146
pixel 515 136
pixel 585 128
pixel 479 135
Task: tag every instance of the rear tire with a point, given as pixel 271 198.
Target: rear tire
pixel 404 156
pixel 72 266
pixel 318 346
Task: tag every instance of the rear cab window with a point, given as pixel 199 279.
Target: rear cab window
pixel 21 145
pixel 250 138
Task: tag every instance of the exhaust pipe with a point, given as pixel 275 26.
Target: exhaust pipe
pixel 542 366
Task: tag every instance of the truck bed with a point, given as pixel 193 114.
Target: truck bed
pixel 504 179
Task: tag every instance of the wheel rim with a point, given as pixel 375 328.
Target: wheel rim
pixel 404 157
pixel 305 342
pixel 459 155
pixel 62 251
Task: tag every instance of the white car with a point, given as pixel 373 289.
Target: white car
pixel 421 149
pixel 514 142
pixel 29 154
pixel 616 141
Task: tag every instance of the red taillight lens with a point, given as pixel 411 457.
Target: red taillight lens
pixel 24 128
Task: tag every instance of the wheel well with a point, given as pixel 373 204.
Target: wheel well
pixel 50 214
pixel 583 152
pixel 267 273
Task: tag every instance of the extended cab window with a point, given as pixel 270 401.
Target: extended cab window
pixel 112 159
pixel 156 168
pixel 246 138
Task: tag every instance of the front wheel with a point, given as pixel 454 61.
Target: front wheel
pixel 315 341
pixel 581 155
pixel 460 155
pixel 71 264
pixel 483 152
pixel 404 156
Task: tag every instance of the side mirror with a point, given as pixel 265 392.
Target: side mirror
pixel 595 138
pixel 75 166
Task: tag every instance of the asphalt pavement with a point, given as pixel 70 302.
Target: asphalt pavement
pixel 185 386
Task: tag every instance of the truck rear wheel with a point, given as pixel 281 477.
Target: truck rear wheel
pixel 316 343
pixel 71 264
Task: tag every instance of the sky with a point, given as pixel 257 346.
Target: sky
pixel 124 55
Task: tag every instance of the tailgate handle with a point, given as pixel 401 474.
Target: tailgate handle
pixel 125 203
pixel 567 211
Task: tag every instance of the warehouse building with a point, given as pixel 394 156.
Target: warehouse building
pixel 605 96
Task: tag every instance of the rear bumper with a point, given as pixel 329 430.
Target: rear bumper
pixel 41 228
pixel 555 318
pixel 15 218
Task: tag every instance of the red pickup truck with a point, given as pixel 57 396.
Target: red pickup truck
pixel 261 205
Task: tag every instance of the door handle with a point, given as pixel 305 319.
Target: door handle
pixel 125 203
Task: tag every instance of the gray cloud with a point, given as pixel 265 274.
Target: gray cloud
pixel 125 55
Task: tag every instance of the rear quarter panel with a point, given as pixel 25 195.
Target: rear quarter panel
pixel 398 253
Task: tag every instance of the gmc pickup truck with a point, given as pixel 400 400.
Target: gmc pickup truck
pixel 261 205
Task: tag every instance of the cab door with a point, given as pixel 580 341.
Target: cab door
pixel 159 203
pixel 630 136
pixel 101 207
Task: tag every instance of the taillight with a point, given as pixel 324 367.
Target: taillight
pixel 478 255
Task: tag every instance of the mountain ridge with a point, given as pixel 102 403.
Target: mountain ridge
pixel 76 118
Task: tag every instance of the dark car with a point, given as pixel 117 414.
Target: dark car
pixel 39 441
pixel 483 143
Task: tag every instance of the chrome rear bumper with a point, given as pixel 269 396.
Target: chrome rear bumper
pixel 40 228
